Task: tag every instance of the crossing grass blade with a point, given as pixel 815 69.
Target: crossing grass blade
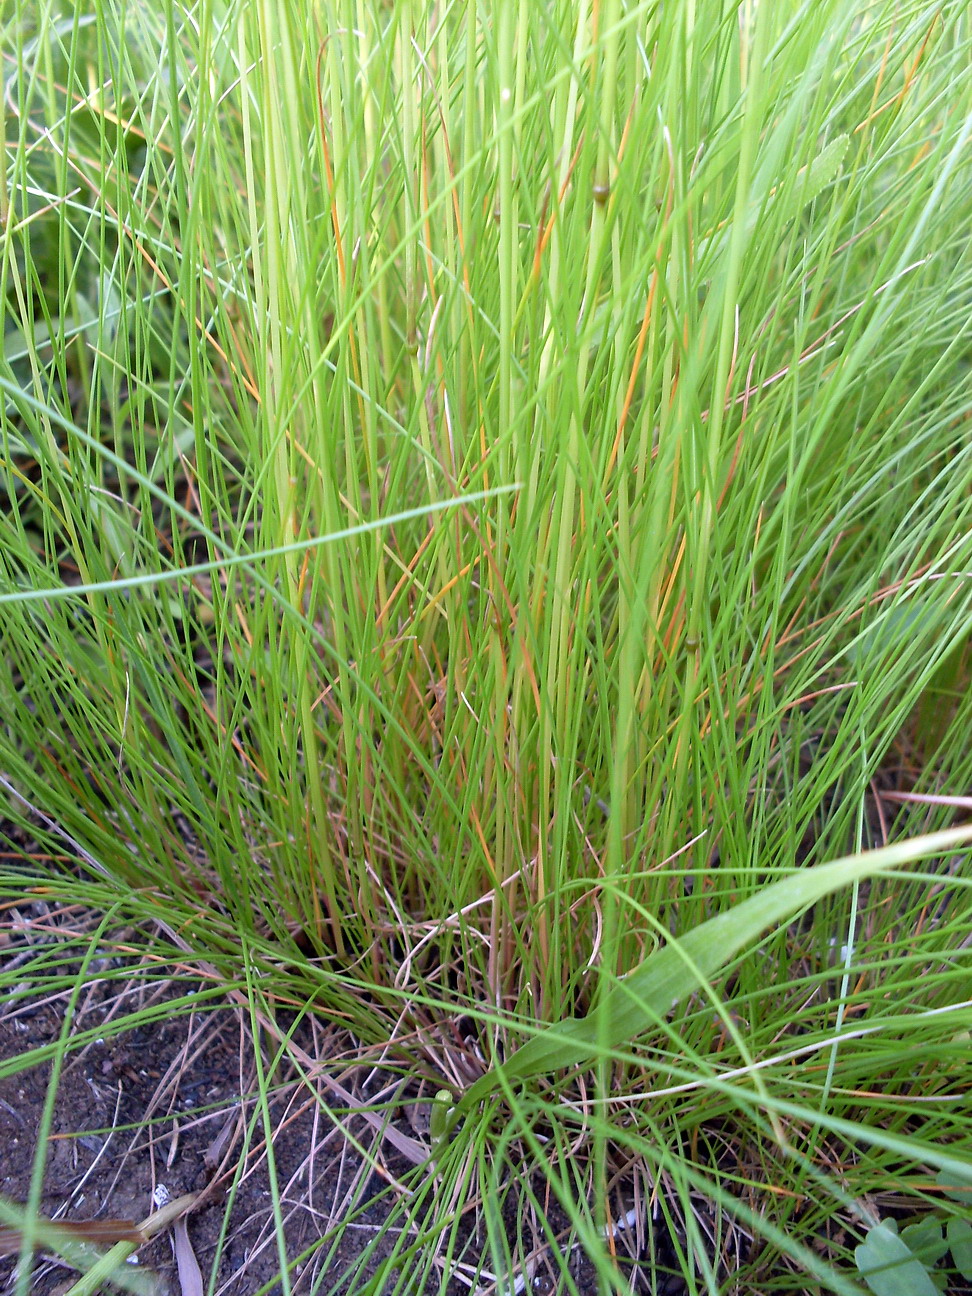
pixel 637 1002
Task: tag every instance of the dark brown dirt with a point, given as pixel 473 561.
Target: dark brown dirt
pixel 150 1107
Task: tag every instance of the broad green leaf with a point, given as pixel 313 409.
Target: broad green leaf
pixel 889 1268
pixel 959 1234
pixel 675 971
pixel 925 1240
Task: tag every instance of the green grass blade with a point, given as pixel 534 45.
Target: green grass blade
pixel 670 974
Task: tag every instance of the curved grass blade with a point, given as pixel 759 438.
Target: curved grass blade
pixel 675 971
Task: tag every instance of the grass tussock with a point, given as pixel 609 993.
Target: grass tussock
pixel 484 495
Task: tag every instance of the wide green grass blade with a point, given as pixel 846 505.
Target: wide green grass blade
pixel 675 971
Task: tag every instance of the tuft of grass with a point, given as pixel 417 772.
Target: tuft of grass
pixel 486 494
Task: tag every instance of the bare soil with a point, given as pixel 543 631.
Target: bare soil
pixel 156 1106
